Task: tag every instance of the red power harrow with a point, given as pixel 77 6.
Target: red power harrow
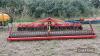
pixel 50 29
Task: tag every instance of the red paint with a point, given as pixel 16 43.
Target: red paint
pixel 50 38
pixel 45 23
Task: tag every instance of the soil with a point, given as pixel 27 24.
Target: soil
pixel 68 47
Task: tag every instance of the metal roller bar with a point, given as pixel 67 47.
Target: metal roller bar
pixel 52 33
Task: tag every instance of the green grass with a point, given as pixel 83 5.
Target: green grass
pixel 25 20
pixel 28 19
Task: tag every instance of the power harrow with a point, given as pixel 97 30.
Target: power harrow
pixel 50 29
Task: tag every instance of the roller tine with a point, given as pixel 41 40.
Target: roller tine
pixel 34 33
pixel 72 31
pixel 38 31
pixel 28 28
pixel 41 33
pixel 60 33
pixel 54 28
pixel 24 29
pixel 63 30
pixel 76 27
pixel 57 29
pixel 60 28
pixel 76 30
pixel 70 27
pixel 42 29
pixel 31 29
pixel 45 28
pixel 35 29
pixel 66 30
pixel 24 33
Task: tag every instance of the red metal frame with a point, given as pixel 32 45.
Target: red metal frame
pixel 42 22
pixel 50 38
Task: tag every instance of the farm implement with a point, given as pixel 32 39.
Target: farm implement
pixel 86 20
pixel 4 18
pixel 50 29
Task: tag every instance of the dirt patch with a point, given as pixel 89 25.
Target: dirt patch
pixel 66 47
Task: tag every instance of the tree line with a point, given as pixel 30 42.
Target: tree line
pixel 50 8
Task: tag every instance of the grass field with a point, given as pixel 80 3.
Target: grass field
pixel 66 47
pixel 28 19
